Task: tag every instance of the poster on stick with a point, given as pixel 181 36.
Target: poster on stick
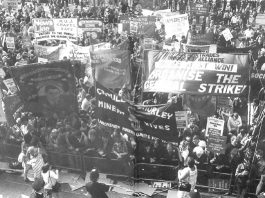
pixel 214 127
pixel 217 144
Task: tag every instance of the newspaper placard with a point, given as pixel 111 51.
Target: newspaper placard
pixel 217 144
pixel 227 34
pixel 181 119
pixel 148 43
pixel 42 60
pixel 214 127
pixel 10 42
pixel 10 84
pixel 13 4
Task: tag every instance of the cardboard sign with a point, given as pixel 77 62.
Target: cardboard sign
pixel 13 4
pixel 10 84
pixel 10 42
pixel 42 60
pixel 181 119
pixel 217 144
pixel 227 34
pixel 214 126
pixel 148 44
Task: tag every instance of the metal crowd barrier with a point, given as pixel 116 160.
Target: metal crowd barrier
pixel 213 182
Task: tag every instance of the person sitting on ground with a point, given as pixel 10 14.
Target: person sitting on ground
pixel 50 178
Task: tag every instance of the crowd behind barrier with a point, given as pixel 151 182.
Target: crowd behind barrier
pixel 77 142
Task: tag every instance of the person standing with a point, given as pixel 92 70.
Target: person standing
pixel 188 175
pixel 95 189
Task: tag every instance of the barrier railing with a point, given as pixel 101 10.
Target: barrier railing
pixel 139 171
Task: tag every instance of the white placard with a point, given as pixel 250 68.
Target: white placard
pixel 214 126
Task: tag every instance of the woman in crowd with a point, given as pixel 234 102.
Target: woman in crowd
pixel 188 176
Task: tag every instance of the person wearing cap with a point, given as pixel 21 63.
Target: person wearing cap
pixel 96 189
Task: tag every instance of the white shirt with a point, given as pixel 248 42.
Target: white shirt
pixel 52 174
pixel 249 33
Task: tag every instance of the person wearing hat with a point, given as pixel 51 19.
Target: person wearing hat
pixel 94 188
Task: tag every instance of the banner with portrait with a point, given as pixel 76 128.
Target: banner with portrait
pixel 90 28
pixel 195 73
pixel 10 105
pixel 112 67
pixel 47 89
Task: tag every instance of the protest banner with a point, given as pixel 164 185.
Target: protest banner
pixel 217 144
pixel 42 60
pixel 10 105
pixel 177 25
pixel 203 105
pixel 227 34
pixel 142 25
pixel 47 89
pixel 48 52
pixel 10 42
pixel 79 53
pixel 181 119
pixel 90 28
pixel 147 122
pixel 112 111
pixel 214 127
pixel 199 8
pixel 257 82
pixel 10 4
pixel 112 67
pixel 59 29
pixel 200 39
pixel 213 74
pixel 195 48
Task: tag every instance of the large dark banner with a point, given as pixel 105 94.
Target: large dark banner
pixel 257 81
pixel 197 73
pixel 112 67
pixel 10 105
pixel 148 122
pixel 47 89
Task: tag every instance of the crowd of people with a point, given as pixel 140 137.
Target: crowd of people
pixel 82 134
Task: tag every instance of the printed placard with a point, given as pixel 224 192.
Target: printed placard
pixel 214 126
pixel 10 42
pixel 181 119
pixel 217 144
